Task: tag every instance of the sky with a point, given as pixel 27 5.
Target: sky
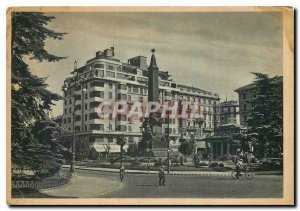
pixel 214 51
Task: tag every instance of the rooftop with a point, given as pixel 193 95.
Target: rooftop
pixel 278 79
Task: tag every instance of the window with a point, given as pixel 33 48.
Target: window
pixel 77 128
pixel 129 97
pixel 65 111
pixel 244 95
pixel 94 116
pixel 97 94
pixel 122 128
pixel 130 140
pixel 110 127
pixel 85 117
pixel 122 86
pixel 122 117
pixel 129 128
pixel 70 101
pixel 96 127
pixel 66 102
pixel 85 127
pixel 122 96
pixel 168 130
pixel 129 89
pixel 141 90
pixel 99 66
pixel 70 110
pixel 135 89
pixel 77 97
pixel 110 139
pixel 85 106
pixel 110 85
pixel 110 67
pixel 77 118
pixel 86 96
pixel 110 74
pixel 65 121
pixel 97 83
pixel 94 104
pixel 77 107
pixel 245 107
pixel 69 120
pixel 110 95
pixel 77 88
pixel 141 99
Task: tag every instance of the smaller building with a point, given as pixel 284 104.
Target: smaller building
pixel 220 143
pixel 229 113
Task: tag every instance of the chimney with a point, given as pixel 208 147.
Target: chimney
pixel 113 51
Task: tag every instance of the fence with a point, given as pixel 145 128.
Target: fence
pixel 61 178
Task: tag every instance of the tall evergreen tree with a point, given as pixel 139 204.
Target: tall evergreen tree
pixel 33 133
pixel 265 119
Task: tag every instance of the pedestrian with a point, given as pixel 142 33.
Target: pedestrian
pixel 239 166
pixel 148 166
pixel 161 175
pixel 122 173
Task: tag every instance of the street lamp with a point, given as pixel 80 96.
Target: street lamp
pixel 192 131
pixel 72 165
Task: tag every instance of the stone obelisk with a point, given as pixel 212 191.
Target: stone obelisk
pixel 153 96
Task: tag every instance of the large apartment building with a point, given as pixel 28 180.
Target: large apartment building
pixel 106 78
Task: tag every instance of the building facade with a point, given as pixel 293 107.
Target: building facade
pixel 229 113
pixel 106 78
pixel 246 95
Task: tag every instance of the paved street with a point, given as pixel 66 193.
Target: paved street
pixel 143 185
pixel 98 184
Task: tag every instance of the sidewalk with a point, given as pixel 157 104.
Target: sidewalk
pixel 93 187
pixel 199 173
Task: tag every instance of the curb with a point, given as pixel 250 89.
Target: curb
pixel 215 174
pixel 170 174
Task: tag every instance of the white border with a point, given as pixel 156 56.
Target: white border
pixel 5 4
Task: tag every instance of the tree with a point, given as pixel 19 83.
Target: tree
pixel 83 148
pixel 93 154
pixel 107 150
pixel 30 100
pixel 132 150
pixel 121 141
pixel 265 119
pixel 186 148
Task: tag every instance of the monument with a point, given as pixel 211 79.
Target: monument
pixel 158 143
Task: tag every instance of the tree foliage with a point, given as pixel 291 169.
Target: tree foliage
pixel 265 119
pixel 186 148
pixel 33 133
pixel 132 150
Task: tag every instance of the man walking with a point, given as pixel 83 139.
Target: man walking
pixel 161 175
pixel 122 173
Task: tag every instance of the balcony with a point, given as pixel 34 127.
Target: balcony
pixel 97 88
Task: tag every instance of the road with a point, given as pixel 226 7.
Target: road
pixel 98 184
pixel 177 186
